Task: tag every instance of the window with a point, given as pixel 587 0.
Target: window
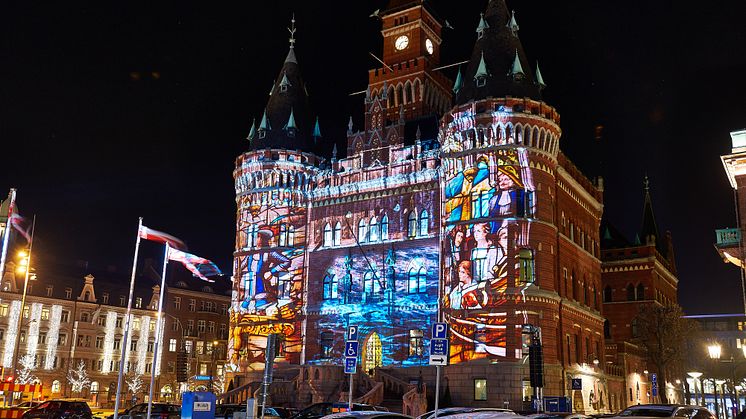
pixel 374 230
pixel 190 326
pixel 417 280
pixel 133 345
pixel 328 235
pixel 640 292
pixel 412 225
pixel 105 297
pixel 578 357
pixel 530 204
pixel 192 304
pixel 42 337
pixel 480 389
pixel 607 294
pixel 65 316
pixel 200 347
pixel 635 330
pixel 26 311
pixel 202 369
pixel 138 302
pixel 49 290
pixel 210 327
pixel 99 342
pixel 136 323
pixel 56 386
pixel 224 309
pixel 117 342
pixel 327 344
pixel 630 292
pixel 371 285
pixel 223 330
pixel 607 329
pixel 4 310
pixel 121 300
pixel 62 340
pixel 338 234
pixel 481 80
pixel 45 314
pixel 68 293
pixel 188 346
pixel 152 326
pixel 84 317
pixel 148 367
pixel 526 263
pixel 385 227
pixel 177 303
pixel 416 348
pixel 150 346
pixel 119 321
pixel 424 221
pixel 362 231
pixel 201 326
pixel 175 326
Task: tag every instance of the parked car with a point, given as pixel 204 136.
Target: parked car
pixel 320 410
pixel 367 415
pixel 225 411
pixel 27 405
pixel 157 411
pixel 487 414
pixel 666 411
pixel 565 415
pixel 62 409
pixel 450 411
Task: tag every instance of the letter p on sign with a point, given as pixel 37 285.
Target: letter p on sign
pixel 440 331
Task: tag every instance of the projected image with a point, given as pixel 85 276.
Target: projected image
pixel 485 203
pixel 269 268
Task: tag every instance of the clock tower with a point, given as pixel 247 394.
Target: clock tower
pixel 411 50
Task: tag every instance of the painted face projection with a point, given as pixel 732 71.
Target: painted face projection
pixel 269 277
pixel 486 201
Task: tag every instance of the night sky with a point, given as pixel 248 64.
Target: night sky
pixel 118 110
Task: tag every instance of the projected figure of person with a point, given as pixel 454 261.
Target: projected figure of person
pixel 460 190
pixel 467 293
pixel 508 182
pixel 266 267
pixel 485 255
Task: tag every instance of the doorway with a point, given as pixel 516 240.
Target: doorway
pixel 372 353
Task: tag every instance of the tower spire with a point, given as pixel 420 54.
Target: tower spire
pixel 252 131
pixel 649 231
pixel 539 78
pixel 512 24
pixel 517 70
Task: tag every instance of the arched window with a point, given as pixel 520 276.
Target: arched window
pixel 607 330
pixel 424 221
pixel 586 301
pixel 327 235
pixel 422 280
pixel 374 231
pixel 338 234
pixel 595 298
pixel 371 285
pixel 331 285
pixel 385 227
pixel 56 386
pixel 412 283
pixel 412 225
pixel 362 231
pixel 630 292
pixel 640 292
pixel 607 294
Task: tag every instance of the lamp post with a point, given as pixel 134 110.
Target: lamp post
pixel 714 351
pixel 695 376
pixel 215 344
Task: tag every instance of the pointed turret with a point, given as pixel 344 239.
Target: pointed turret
pixel 542 85
pixel 649 230
pixel 316 131
pixel 459 83
pixel 287 108
pixel 349 126
pixel 498 50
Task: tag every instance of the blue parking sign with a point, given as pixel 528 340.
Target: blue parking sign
pixel 351 347
pixel 440 331
pixel 439 347
pixel 352 333
pixel 350 365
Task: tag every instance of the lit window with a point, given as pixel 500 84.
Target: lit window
pixel 374 231
pixel 188 346
pixel 202 369
pixel 105 298
pixel 64 318
pixel 526 263
pixel 68 293
pixel 138 302
pixel 385 227
pixel 327 236
pixel 424 221
pixel 192 304
pixel 416 348
pixel 177 303
pixel 45 314
pixel 3 310
pixel 371 284
pixel 201 326
pixel 338 234
pixel 327 344
pixel 417 281
pixel 56 386
pixel 362 231
pixel 412 225
pixel 331 285
pixel 480 389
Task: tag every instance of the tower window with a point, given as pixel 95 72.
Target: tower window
pixel 412 225
pixel 374 230
pixel 385 227
pixel 526 262
pixel 338 234
pixel 327 235
pixel 331 286
pixel 424 221
pixel 481 81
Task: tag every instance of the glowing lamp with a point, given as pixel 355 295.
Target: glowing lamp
pixel 694 374
pixel 9 379
pixel 22 254
pixel 714 351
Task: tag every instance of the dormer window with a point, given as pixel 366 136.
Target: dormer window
pixel 262 133
pixel 481 81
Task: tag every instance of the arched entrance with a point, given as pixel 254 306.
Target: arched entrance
pixel 372 353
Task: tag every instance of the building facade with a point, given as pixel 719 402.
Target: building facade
pixel 454 202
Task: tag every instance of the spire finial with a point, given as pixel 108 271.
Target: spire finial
pixel 349 126
pixel 483 25
pixel 316 130
pixel 513 24
pixel 292 30
pixel 646 182
pixel 517 70
pixel 459 83
pixel 334 152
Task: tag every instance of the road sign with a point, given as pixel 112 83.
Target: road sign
pixel 577 383
pixel 438 360
pixel 654 384
pixel 351 347
pixel 350 365
pixel 654 378
pixel 440 331
pixel 352 333
pixel 439 347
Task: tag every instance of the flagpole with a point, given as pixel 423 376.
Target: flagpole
pixel 23 304
pixel 157 330
pixel 127 322
pixel 6 234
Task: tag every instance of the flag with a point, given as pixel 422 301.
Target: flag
pixel 199 267
pixel 161 237
pixel 21 224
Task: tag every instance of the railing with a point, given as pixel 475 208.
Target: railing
pixel 414 402
pixel 393 384
pixel 614 370
pixel 238 394
pixel 728 237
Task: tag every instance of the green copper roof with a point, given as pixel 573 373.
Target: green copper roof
pixel 317 129
pixel 265 122
pixel 291 120
pixel 483 25
pixel 252 131
pixel 482 70
pixel 512 24
pixel 459 81
pixel 517 68
pixel 539 78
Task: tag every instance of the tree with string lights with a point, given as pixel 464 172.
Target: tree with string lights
pixel 78 378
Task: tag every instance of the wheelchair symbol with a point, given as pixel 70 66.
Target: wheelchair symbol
pixel 351 350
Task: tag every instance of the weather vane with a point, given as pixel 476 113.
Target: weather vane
pixel 292 30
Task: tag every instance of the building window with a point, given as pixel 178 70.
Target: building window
pixel 150 347
pixel 42 338
pixel 119 321
pixel 133 345
pixel 201 326
pixel 416 347
pixel 338 234
pixel 385 227
pixel 84 317
pixel 68 293
pixel 328 235
pixel 635 330
pixel 138 302
pixel 99 342
pixel 45 314
pixel 530 196
pixel 331 286
pixel 202 369
pixel 362 231
pixel 417 280
pixel 172 345
pixel 105 297
pixel 222 331
pixel 200 347
pixel 607 294
pixel 424 221
pixel 224 309
pixel 640 292
pixel 136 323
pixel 4 310
pixel 177 303
pixel 412 225
pixel 371 284
pixel 151 326
pixel 374 230
pixel 117 342
pixel 121 300
pixel 630 292
pixel 607 329
pixel 327 344
pixel 65 316
pixel 578 349
pixel 188 346
pixel 211 327
pixel 192 304
pixel 62 339
pixel 56 386
pixel 526 263
pixel 480 389
pixel 49 290
pixel 481 80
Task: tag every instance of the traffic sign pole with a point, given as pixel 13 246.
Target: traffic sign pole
pixel 439 354
pixel 437 389
pixel 350 395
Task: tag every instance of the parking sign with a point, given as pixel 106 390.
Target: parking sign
pixel 351 348
pixel 440 331
pixel 350 365
pixel 352 333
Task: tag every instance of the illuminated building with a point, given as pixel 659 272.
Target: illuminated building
pixel 70 318
pixel 729 240
pixel 477 213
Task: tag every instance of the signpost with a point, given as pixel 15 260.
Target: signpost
pixel 654 384
pixel 350 357
pixel 438 355
pixel 577 383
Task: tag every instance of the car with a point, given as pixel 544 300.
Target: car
pixel 450 411
pixel 560 415
pixel 157 411
pixel 375 414
pixel 27 405
pixel 320 410
pixel 487 414
pixel 63 409
pixel 666 411
pixel 225 411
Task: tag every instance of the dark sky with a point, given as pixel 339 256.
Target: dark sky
pixel 112 110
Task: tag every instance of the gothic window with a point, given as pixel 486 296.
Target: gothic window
pixel 385 227
pixel 407 93
pixel 327 344
pixel 374 230
pixel 327 235
pixel 640 292
pixel 338 234
pixel 362 231
pixel 422 280
pixel 630 292
pixel 607 294
pixel 607 329
pixel 412 225
pixel 416 348
pixel 526 263
pixel 585 295
pixel 371 284
pixel 424 221
pixel 412 283
pixel 331 286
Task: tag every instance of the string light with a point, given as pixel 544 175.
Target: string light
pixel 111 323
pixel 142 344
pixel 10 337
pixel 53 336
pixel 161 349
pixel 32 341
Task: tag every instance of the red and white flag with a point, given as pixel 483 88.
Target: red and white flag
pixel 161 237
pixel 198 266
pixel 21 224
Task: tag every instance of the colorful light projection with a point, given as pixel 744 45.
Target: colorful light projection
pixel 269 271
pixel 486 200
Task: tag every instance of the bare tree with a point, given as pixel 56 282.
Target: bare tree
pixel 663 332
pixel 26 374
pixel 78 378
pixel 134 383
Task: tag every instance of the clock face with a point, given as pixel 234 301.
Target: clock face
pixel 401 42
pixel 429 46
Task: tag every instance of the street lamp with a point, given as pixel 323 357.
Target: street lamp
pixel 215 344
pixel 695 376
pixel 715 350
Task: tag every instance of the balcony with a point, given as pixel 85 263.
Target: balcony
pixel 728 237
